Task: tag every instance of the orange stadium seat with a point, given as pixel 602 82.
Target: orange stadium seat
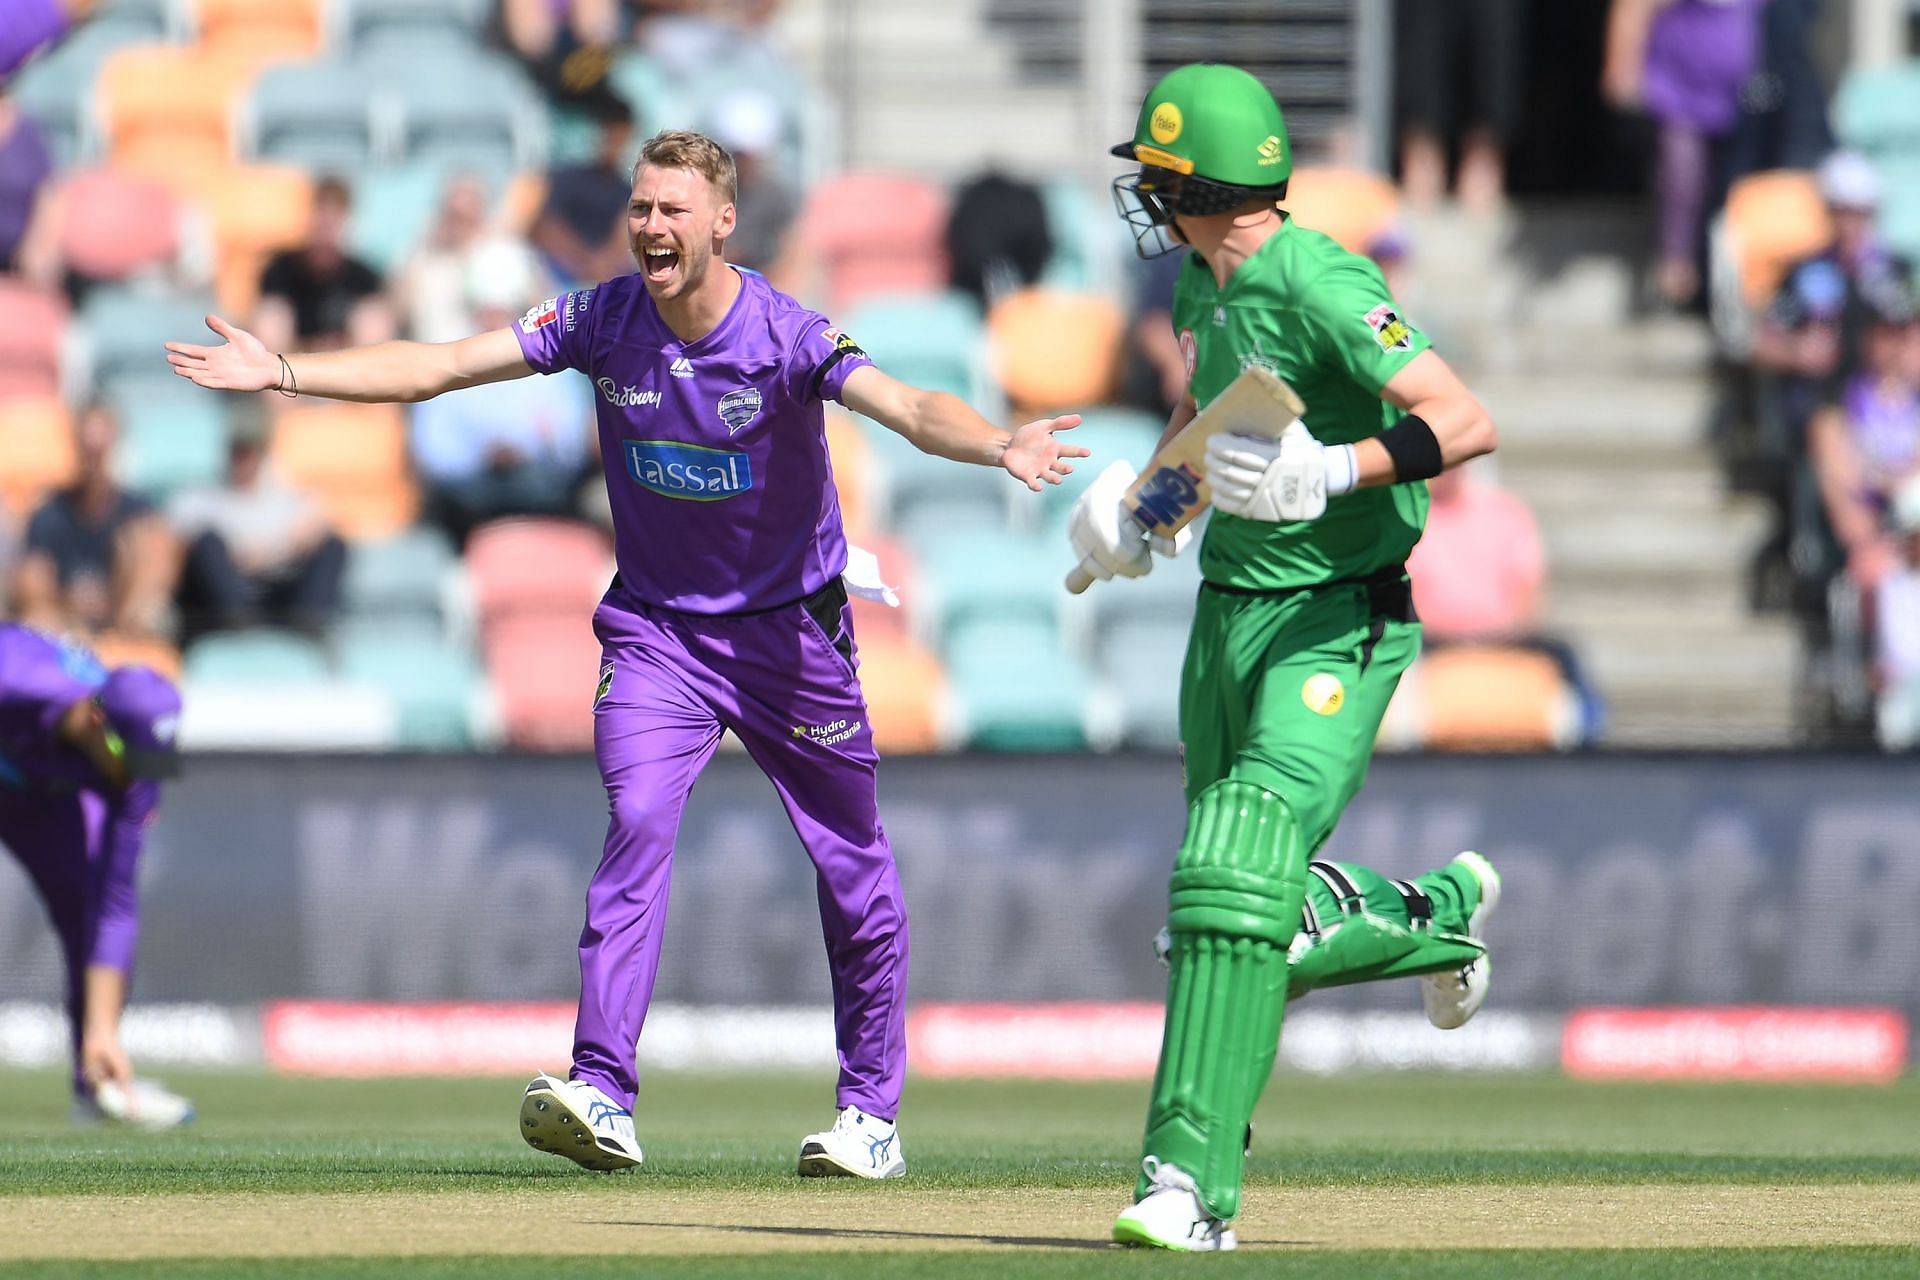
pixel 1055 350
pixel 120 651
pixel 1773 219
pixel 852 463
pixel 353 459
pixel 1491 699
pixel 114 225
pixel 543 667
pixel 155 100
pixel 539 566
pixel 32 325
pixel 876 233
pixel 1351 205
pixel 253 210
pixel 296 27
pixel 36 442
pixel 906 692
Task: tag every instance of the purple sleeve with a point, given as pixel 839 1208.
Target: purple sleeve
pixel 116 899
pixel 823 357
pixel 553 334
pixel 25 25
pixel 39 687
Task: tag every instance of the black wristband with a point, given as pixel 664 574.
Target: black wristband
pixel 287 386
pixel 1415 451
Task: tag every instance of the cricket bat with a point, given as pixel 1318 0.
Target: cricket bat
pixel 1172 489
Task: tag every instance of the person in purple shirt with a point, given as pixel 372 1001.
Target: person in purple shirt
pixel 80 752
pixel 728 611
pixel 26 25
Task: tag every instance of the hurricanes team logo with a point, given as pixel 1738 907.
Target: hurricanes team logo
pixel 738 408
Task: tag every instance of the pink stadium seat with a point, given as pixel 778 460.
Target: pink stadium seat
pixel 538 566
pixel 876 233
pixel 1053 350
pixel 32 324
pixel 113 225
pixel 36 449
pixel 543 667
pixel 1353 206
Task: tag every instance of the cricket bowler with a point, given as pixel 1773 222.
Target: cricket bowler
pixel 81 752
pixel 728 612
pixel 1303 625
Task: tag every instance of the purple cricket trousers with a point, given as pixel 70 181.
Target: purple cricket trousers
pixel 783 681
pixel 60 840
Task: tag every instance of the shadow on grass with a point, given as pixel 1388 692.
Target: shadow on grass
pixel 872 1233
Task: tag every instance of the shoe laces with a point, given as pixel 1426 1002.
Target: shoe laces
pixel 1167 1177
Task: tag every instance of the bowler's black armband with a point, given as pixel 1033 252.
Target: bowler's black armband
pixel 1415 451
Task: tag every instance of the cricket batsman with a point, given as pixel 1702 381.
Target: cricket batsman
pixel 1303 625
pixel 728 612
pixel 81 750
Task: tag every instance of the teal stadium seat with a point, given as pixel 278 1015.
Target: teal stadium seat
pixel 125 328
pixel 459 107
pixel 1140 660
pixel 263 657
pixel 972 575
pixel 1014 690
pixel 934 340
pixel 433 685
pixel 905 480
pixel 56 88
pixel 1899 217
pixel 380 24
pixel 313 115
pixel 658 102
pixel 171 440
pixel 401 577
pixel 1877 110
pixel 1111 434
pixel 393 208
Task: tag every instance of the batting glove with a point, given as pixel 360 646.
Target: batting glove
pixel 1108 540
pixel 1278 480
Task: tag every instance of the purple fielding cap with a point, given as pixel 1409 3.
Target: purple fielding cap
pixel 143 707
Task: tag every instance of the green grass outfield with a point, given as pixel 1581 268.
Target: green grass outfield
pixel 335 1164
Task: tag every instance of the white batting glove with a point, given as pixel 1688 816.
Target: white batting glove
pixel 1278 480
pixel 1107 539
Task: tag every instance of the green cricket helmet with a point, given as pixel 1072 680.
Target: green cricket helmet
pixel 1209 137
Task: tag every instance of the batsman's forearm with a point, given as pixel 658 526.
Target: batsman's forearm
pixel 1461 426
pixel 385 373
pixel 947 427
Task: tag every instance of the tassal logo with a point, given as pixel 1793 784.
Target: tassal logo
pixel 689 472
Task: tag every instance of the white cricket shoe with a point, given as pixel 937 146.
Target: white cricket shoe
pixel 144 1104
pixel 1171 1216
pixel 1456 995
pixel 579 1121
pixel 858 1146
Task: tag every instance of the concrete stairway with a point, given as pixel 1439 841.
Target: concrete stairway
pixel 1601 418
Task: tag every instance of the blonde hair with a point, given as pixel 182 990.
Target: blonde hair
pixel 696 153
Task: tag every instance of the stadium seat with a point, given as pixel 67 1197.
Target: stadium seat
pixel 1877 109
pixel 906 693
pixel 353 459
pixel 297 26
pixel 314 115
pixel 1772 220
pixel 403 576
pixel 538 566
pixel 172 100
pixel 1055 351
pixel 432 684
pixel 36 439
pixel 33 325
pixel 906 481
pixel 876 234
pixel 272 715
pixel 256 657
pixel 965 578
pixel 658 101
pixel 543 667
pixel 1013 690
pixel 933 340
pixel 1899 217
pixel 126 327
pixel 473 109
pixel 1166 594
pixel 376 24
pixel 170 440
pixel 254 210
pixel 1111 435
pixel 852 460
pixel 117 651
pixel 56 87
pixel 1492 699
pixel 1353 206
pixel 1141 660
pixel 116 225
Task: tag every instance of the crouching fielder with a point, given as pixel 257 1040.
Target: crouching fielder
pixel 1303 625
pixel 728 612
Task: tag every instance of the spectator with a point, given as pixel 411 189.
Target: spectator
pixel 997 237
pixel 25 166
pixel 319 296
pixel 545 33
pixel 257 551
pixel 1155 379
pixel 748 124
pixel 1897 627
pixel 1684 62
pixel 582 229
pixel 508 448
pixel 97 558
pixel 1479 577
pixel 1866 444
pixel 432 291
pixel 1459 69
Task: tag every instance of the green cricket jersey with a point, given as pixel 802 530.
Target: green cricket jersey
pixel 1321 319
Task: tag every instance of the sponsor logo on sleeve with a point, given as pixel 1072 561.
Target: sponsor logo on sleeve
pixel 1389 330
pixel 843 343
pixel 738 408
pixel 689 472
pixel 606 683
pixel 540 315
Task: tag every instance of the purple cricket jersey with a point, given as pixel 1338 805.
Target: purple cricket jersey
pixel 40 677
pixel 25 25
pixel 715 450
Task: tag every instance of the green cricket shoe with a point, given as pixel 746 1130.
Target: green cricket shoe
pixel 1452 997
pixel 1170 1216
